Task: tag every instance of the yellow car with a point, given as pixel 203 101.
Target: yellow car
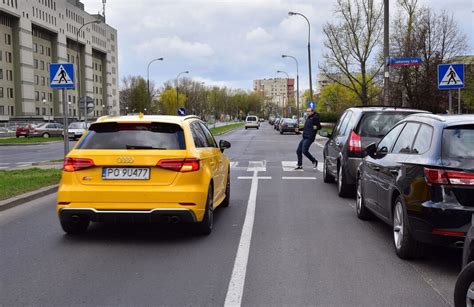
pixel 144 169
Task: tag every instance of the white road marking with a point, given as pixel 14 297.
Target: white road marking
pixel 257 166
pixel 251 177
pixel 237 281
pixel 22 163
pixel 320 166
pixel 298 178
pixel 289 166
pixel 3 167
pixel 233 164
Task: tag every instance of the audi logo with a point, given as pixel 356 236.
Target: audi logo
pixel 125 159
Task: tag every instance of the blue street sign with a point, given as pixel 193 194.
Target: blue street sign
pixel 450 76
pixel 61 75
pixel 181 111
pixel 312 104
pixel 398 62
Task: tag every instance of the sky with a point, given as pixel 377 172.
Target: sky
pixel 231 42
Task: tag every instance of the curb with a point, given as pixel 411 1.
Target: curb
pixel 224 133
pixel 30 144
pixel 24 198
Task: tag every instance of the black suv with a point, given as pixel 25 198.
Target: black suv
pixel 420 179
pixel 357 127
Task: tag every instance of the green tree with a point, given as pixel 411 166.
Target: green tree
pixel 138 99
pixel 167 101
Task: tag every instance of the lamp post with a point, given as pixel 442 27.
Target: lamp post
pixel 177 85
pixel 297 89
pixel 79 67
pixel 148 77
pixel 287 91
pixel 309 52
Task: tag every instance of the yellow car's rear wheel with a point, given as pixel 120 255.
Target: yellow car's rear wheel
pixel 205 227
pixel 75 226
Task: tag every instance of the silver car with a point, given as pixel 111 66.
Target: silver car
pixel 77 129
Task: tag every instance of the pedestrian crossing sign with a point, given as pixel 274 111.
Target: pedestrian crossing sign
pixel 61 75
pixel 450 76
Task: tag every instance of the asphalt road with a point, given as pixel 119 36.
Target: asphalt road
pixel 282 242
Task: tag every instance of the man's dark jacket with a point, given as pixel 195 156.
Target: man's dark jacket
pixel 308 131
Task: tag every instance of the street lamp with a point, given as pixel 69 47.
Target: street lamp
pixel 297 89
pixel 309 52
pixel 79 67
pixel 177 85
pixel 148 77
pixel 287 91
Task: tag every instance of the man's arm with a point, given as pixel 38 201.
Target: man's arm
pixel 316 122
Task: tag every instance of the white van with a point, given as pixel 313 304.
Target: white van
pixel 252 122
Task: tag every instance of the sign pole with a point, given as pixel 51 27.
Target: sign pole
pixel 450 102
pixel 65 113
pixel 459 101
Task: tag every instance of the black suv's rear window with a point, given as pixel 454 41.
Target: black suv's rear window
pixel 458 142
pixel 133 136
pixel 377 124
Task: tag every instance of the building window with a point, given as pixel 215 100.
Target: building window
pixel 42 65
pixel 48 51
pixel 8 39
pixel 1 73
pixel 44 111
pixel 37 96
pixel 1 92
pixel 10 75
pixel 1 54
pixel 10 92
pixel 8 57
pixel 43 96
pixel 50 96
pixel 2 110
pixel 36 64
pixel 41 49
pixel 43 81
pixel 35 48
pixel 36 80
pixel 37 111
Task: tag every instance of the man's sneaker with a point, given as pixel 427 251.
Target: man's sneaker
pixel 315 164
pixel 298 167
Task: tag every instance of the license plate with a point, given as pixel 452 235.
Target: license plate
pixel 125 173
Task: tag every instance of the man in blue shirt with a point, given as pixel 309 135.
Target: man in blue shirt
pixel 310 129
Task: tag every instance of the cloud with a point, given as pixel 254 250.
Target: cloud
pixel 258 35
pixel 175 46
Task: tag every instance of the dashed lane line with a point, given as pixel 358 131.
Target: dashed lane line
pixel 298 178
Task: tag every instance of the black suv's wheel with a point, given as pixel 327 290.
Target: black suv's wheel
pixel 405 245
pixel 75 227
pixel 205 227
pixel 464 289
pixel 362 212
pixel 343 189
pixel 328 178
pixel 226 201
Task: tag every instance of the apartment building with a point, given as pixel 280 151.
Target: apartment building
pixel 35 33
pixel 276 91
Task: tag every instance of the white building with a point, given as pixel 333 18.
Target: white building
pixel 276 90
pixel 35 33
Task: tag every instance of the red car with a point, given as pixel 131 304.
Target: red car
pixel 24 130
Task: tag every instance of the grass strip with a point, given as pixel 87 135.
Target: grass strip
pixel 34 140
pixel 224 129
pixel 17 182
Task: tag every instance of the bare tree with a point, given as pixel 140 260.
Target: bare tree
pixel 435 37
pixel 350 46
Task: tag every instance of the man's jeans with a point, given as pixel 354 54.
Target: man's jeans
pixel 303 148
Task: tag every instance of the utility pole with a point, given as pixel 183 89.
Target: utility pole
pixel 386 53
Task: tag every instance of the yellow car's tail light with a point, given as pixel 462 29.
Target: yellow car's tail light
pixel 76 164
pixel 179 165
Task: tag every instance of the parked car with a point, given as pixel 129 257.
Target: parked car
pixel 261 119
pixel 464 288
pixel 420 180
pixel 24 130
pixel 276 124
pixel 252 122
pixel 47 130
pixel 145 169
pixel 288 125
pixel 77 129
pixel 271 120
pixel 357 127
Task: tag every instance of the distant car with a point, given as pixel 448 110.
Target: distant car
pixel 420 180
pixel 288 125
pixel 77 129
pixel 144 169
pixel 24 130
pixel 357 127
pixel 261 119
pixel 271 120
pixel 252 122
pixel 464 288
pixel 47 130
